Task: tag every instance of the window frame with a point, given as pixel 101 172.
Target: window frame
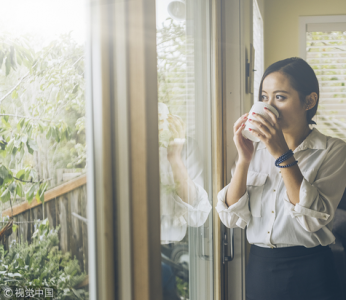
pixel 123 201
pixel 319 21
pixel 257 53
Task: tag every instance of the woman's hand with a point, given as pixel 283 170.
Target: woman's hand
pixel 244 146
pixel 177 128
pixel 270 134
pixel 185 187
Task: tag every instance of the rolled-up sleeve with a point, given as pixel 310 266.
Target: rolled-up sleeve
pixel 236 215
pixel 197 214
pixel 319 200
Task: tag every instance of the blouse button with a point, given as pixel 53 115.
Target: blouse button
pixel 273 190
pixel 268 231
pixel 272 211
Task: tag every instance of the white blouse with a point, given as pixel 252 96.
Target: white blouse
pixel 176 214
pixel 271 219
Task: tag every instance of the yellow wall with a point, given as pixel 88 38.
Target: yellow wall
pixel 281 19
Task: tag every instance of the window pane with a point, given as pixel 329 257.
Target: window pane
pixel 183 49
pixel 325 52
pixel 43 147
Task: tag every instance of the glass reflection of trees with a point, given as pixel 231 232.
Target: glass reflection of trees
pixel 42 114
pixel 183 199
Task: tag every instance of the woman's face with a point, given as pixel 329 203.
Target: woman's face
pixel 278 92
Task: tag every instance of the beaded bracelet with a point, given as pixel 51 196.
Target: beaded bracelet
pixel 286 166
pixel 284 157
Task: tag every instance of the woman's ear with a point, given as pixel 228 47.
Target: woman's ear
pixel 311 100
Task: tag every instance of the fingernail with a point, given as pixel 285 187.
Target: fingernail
pixel 243 124
pixel 265 108
pixel 250 119
pixel 250 129
pixel 245 117
pixel 253 113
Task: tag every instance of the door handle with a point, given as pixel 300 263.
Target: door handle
pixel 204 243
pixel 227 243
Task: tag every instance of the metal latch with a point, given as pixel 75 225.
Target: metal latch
pixel 227 243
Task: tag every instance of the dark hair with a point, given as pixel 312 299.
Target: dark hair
pixel 302 78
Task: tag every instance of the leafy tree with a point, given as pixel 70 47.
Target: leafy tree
pixel 172 54
pixel 42 113
pixel 41 264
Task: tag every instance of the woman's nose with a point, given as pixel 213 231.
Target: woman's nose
pixel 271 101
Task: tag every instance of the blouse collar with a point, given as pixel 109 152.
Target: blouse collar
pixel 315 140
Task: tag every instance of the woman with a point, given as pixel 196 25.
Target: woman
pixel 184 201
pixel 286 189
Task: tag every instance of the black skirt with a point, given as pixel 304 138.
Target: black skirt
pixel 292 273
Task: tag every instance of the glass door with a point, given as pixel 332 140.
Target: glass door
pixel 184 107
pixel 43 182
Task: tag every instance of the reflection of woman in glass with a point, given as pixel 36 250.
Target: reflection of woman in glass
pixel 288 207
pixel 183 198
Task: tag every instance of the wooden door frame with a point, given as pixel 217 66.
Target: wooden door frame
pixel 218 152
pixel 123 118
pixel 233 95
pixel 124 203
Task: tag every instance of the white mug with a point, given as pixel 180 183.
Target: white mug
pixel 258 108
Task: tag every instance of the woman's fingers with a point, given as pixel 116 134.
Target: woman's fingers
pixel 257 133
pixel 182 127
pixel 174 131
pixel 240 128
pixel 244 146
pixel 239 122
pixel 272 125
pixel 176 126
pixel 263 126
pixel 238 136
pixel 179 122
pixel 272 116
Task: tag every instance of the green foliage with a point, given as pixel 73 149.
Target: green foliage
pixel 42 264
pixel 325 54
pixel 172 52
pixel 42 113
pixel 14 53
pixel 182 287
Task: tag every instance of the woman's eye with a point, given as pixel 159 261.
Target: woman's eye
pixel 263 97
